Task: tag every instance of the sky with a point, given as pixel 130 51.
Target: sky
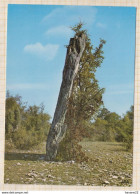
pixel 36 39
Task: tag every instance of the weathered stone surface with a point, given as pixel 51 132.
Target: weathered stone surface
pixel 58 128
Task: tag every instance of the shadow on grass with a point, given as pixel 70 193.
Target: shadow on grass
pixel 24 156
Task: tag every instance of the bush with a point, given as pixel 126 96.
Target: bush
pixel 25 126
pixel 24 139
pixel 69 149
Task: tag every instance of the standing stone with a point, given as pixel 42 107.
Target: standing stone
pixel 58 128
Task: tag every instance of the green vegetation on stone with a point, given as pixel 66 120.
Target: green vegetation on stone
pixel 85 100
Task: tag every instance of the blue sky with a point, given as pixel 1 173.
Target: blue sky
pixel 36 53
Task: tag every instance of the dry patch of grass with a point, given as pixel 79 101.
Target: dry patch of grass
pixel 111 165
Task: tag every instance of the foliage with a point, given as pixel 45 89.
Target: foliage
pixel 13 115
pixel 105 125
pixel 78 29
pixel 111 127
pixel 103 112
pixel 86 96
pixel 100 127
pixel 126 126
pixel 25 125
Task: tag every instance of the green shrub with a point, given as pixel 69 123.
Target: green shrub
pixel 69 149
pixel 111 127
pixel 25 126
pixel 24 139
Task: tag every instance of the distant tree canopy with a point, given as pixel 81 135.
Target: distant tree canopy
pixel 109 126
pixel 25 125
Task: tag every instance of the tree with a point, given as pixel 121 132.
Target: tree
pixel 13 115
pixel 100 132
pixel 34 128
pixel 106 125
pixel 125 129
pixel 103 112
pixel 109 126
pixel 86 96
pixel 25 125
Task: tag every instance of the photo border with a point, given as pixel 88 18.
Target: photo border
pixel 3 47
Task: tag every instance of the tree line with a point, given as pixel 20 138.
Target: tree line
pixel 25 125
pixel 109 126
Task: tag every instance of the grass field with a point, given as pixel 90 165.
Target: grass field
pixel 111 165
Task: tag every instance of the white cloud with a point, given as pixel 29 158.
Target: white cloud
pixel 27 86
pixel 70 15
pixel 59 31
pixel 101 25
pixel 48 51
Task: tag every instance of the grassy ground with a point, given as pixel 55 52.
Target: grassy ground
pixel 111 166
